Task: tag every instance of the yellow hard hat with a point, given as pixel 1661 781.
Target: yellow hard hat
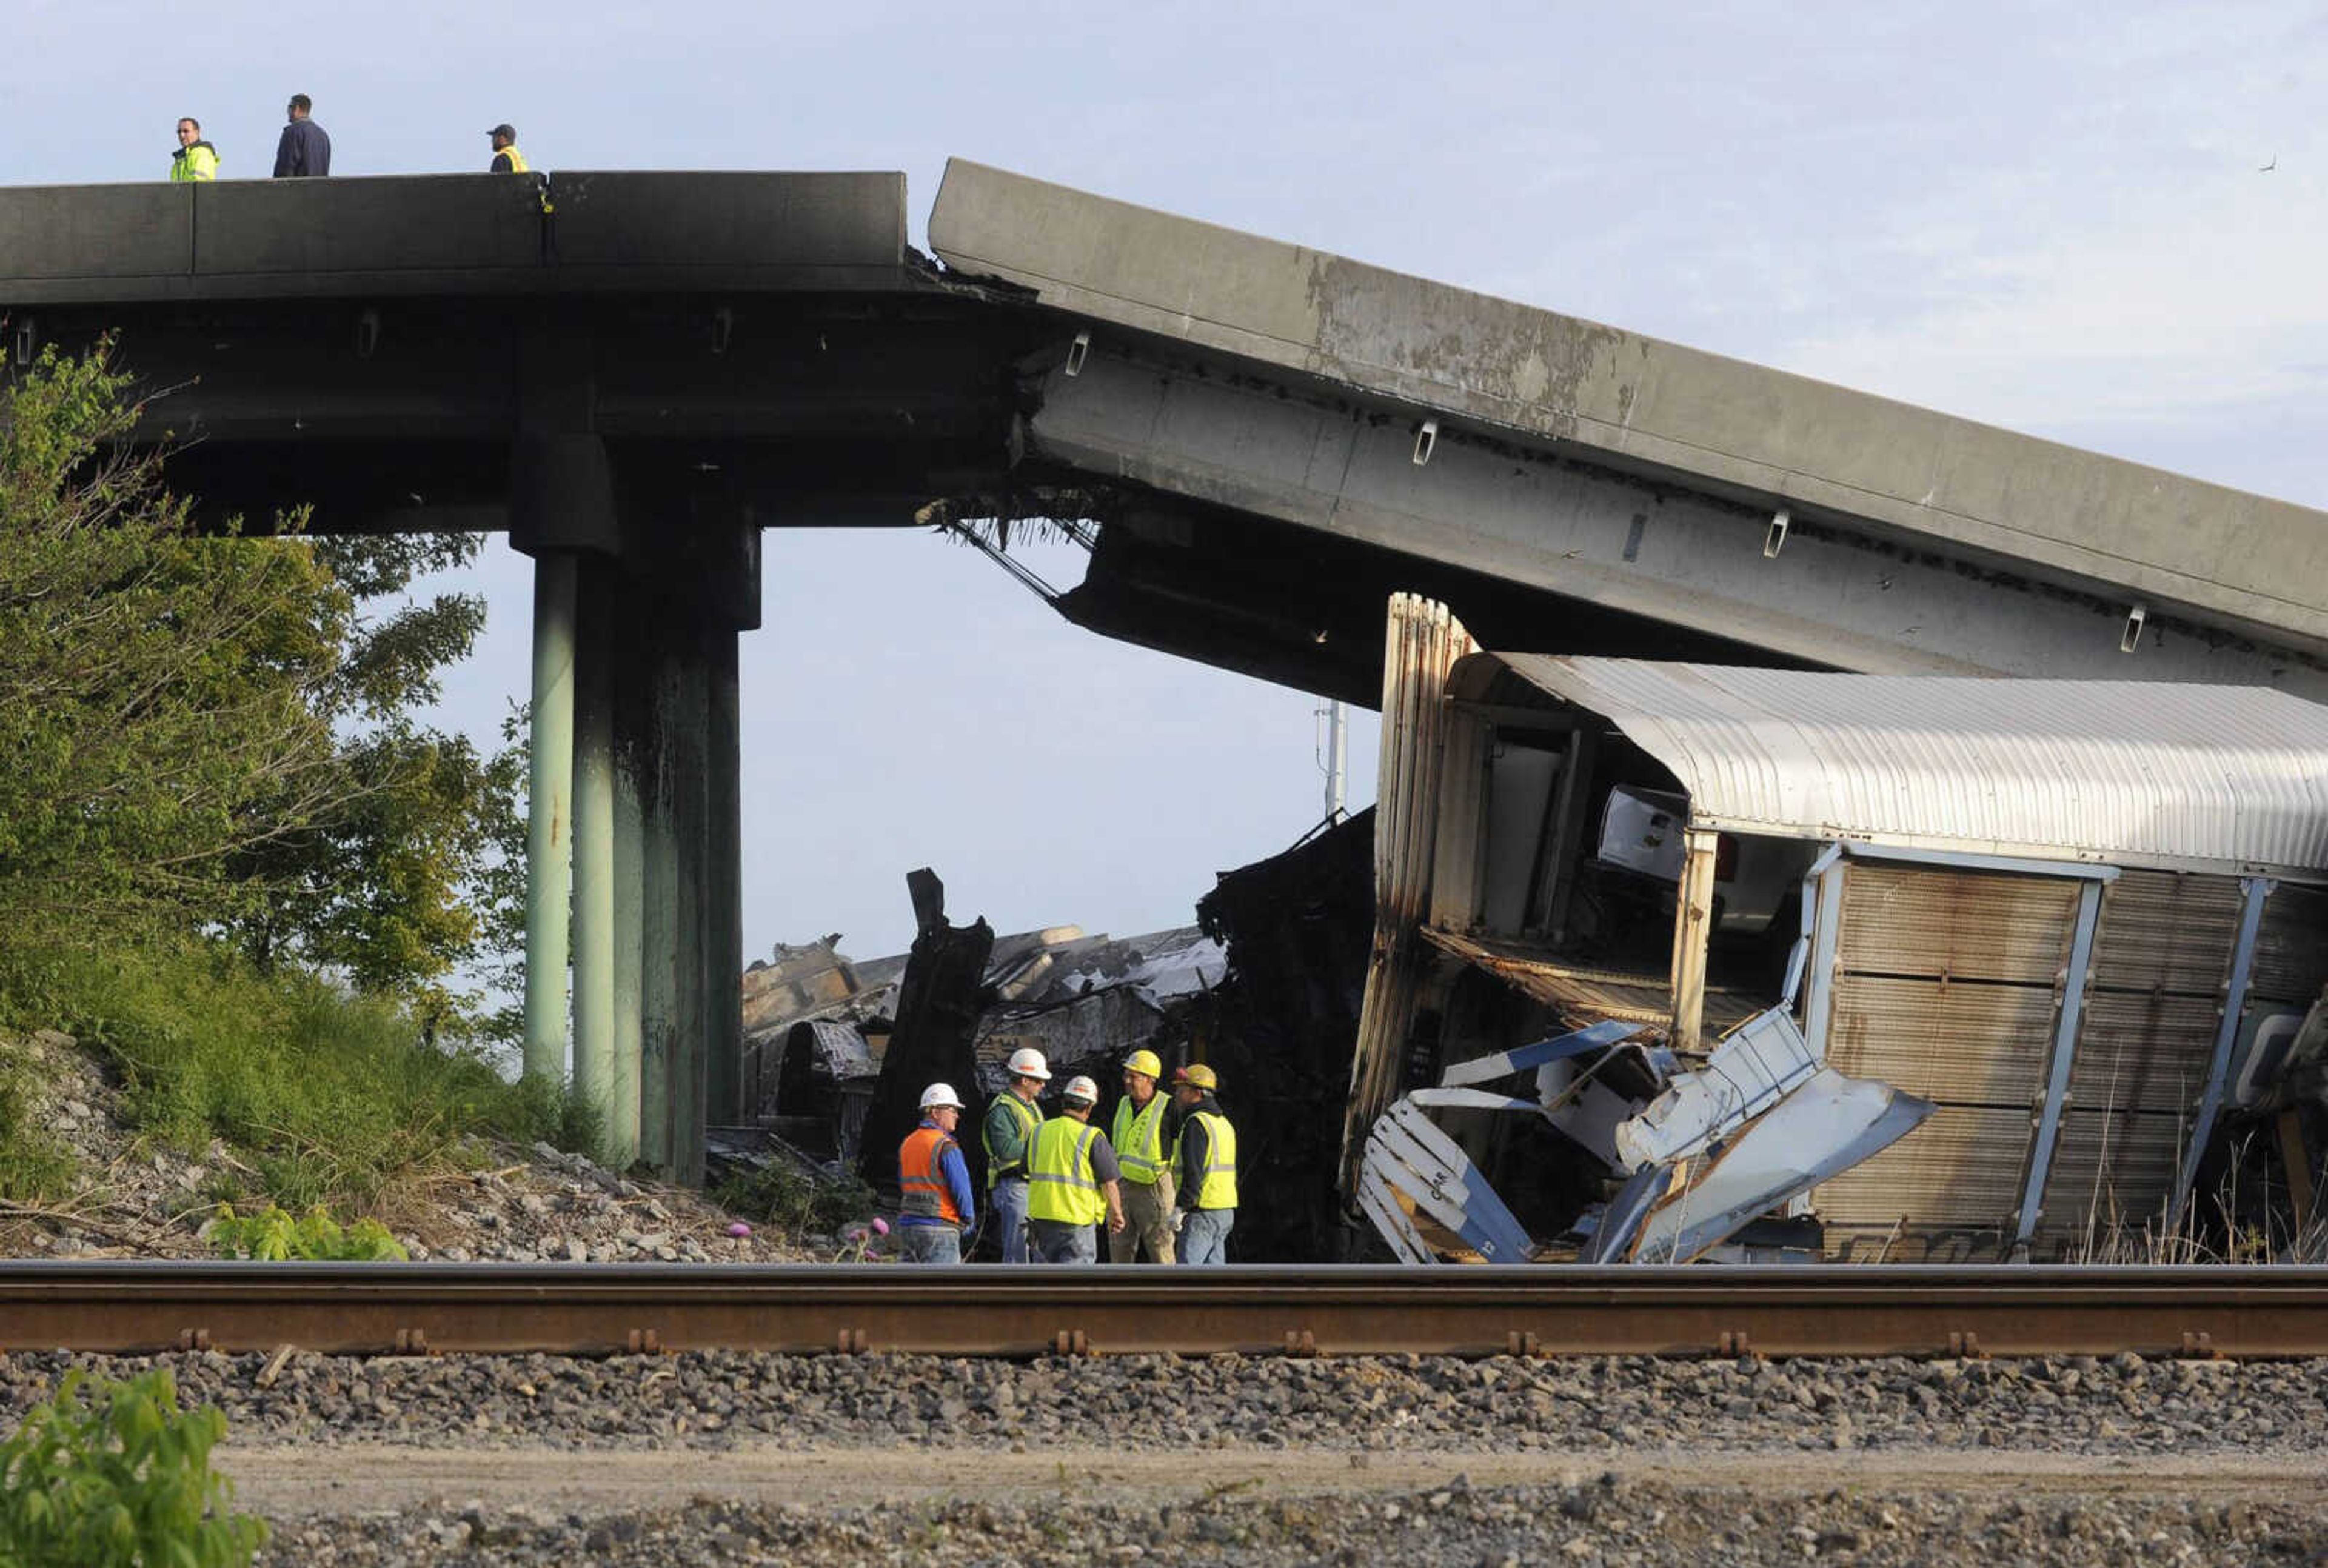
pixel 1145 1063
pixel 1197 1074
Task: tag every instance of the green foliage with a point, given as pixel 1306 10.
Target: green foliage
pixel 34 1165
pixel 782 1196
pixel 333 1098
pixel 114 1475
pixel 156 685
pixel 211 732
pixel 401 879
pixel 272 1235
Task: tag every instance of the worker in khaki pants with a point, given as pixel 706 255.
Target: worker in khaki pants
pixel 1140 1150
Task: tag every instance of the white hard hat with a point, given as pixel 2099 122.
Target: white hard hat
pixel 1081 1089
pixel 1027 1062
pixel 940 1094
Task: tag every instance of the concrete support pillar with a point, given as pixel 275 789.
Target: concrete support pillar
pixel 723 884
pixel 673 854
pixel 630 826
pixel 685 727
pixel 593 845
pixel 549 814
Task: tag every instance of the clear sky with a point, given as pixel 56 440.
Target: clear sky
pixel 2052 217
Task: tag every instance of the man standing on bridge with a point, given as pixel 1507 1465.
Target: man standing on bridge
pixel 507 159
pixel 195 158
pixel 305 151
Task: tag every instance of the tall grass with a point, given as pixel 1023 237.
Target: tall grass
pixel 332 1098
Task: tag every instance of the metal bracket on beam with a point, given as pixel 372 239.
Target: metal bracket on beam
pixel 1775 540
pixel 723 327
pixel 1426 441
pixel 367 332
pixel 27 339
pixel 1077 352
pixel 2131 638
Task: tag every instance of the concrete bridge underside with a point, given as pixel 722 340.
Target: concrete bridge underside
pixel 1269 441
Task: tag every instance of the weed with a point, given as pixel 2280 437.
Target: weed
pixel 34 1165
pixel 273 1235
pixel 108 1475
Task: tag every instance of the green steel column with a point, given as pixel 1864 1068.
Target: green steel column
pixel 691 822
pixel 630 715
pixel 594 844
pixel 723 885
pixel 658 933
pixel 549 814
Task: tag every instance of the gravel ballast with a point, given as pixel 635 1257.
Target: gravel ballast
pixel 1590 1522
pixel 2126 1405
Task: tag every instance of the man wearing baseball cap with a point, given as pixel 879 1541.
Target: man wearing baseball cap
pixel 507 159
pixel 1009 1134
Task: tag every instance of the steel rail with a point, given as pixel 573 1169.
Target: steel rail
pixel 136 1308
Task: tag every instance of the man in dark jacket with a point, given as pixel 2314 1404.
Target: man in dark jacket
pixel 305 151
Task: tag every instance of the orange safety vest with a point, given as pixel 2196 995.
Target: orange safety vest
pixel 922 1178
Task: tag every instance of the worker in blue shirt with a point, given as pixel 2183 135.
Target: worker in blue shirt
pixel 304 151
pixel 937 1205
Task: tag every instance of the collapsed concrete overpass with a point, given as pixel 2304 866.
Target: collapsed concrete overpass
pixel 635 373
pixel 1657 495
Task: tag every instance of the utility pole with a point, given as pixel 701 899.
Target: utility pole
pixel 1338 757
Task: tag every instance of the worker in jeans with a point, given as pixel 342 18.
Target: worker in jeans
pixel 1008 1133
pixel 933 1183
pixel 1074 1182
pixel 1205 1155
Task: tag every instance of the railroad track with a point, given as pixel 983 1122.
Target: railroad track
pixel 388 1309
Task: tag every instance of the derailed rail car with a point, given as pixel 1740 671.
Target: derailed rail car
pixel 1682 961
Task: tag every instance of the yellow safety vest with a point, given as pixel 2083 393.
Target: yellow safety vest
pixel 1060 1185
pixel 194 161
pixel 516 159
pixel 1029 1119
pixel 1216 1188
pixel 1139 1139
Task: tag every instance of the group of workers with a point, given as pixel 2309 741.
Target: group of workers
pixel 1163 1182
pixel 304 151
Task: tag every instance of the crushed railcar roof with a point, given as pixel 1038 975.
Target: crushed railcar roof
pixel 2195 778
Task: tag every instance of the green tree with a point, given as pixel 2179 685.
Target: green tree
pixel 160 691
pixel 216 732
pixel 396 883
